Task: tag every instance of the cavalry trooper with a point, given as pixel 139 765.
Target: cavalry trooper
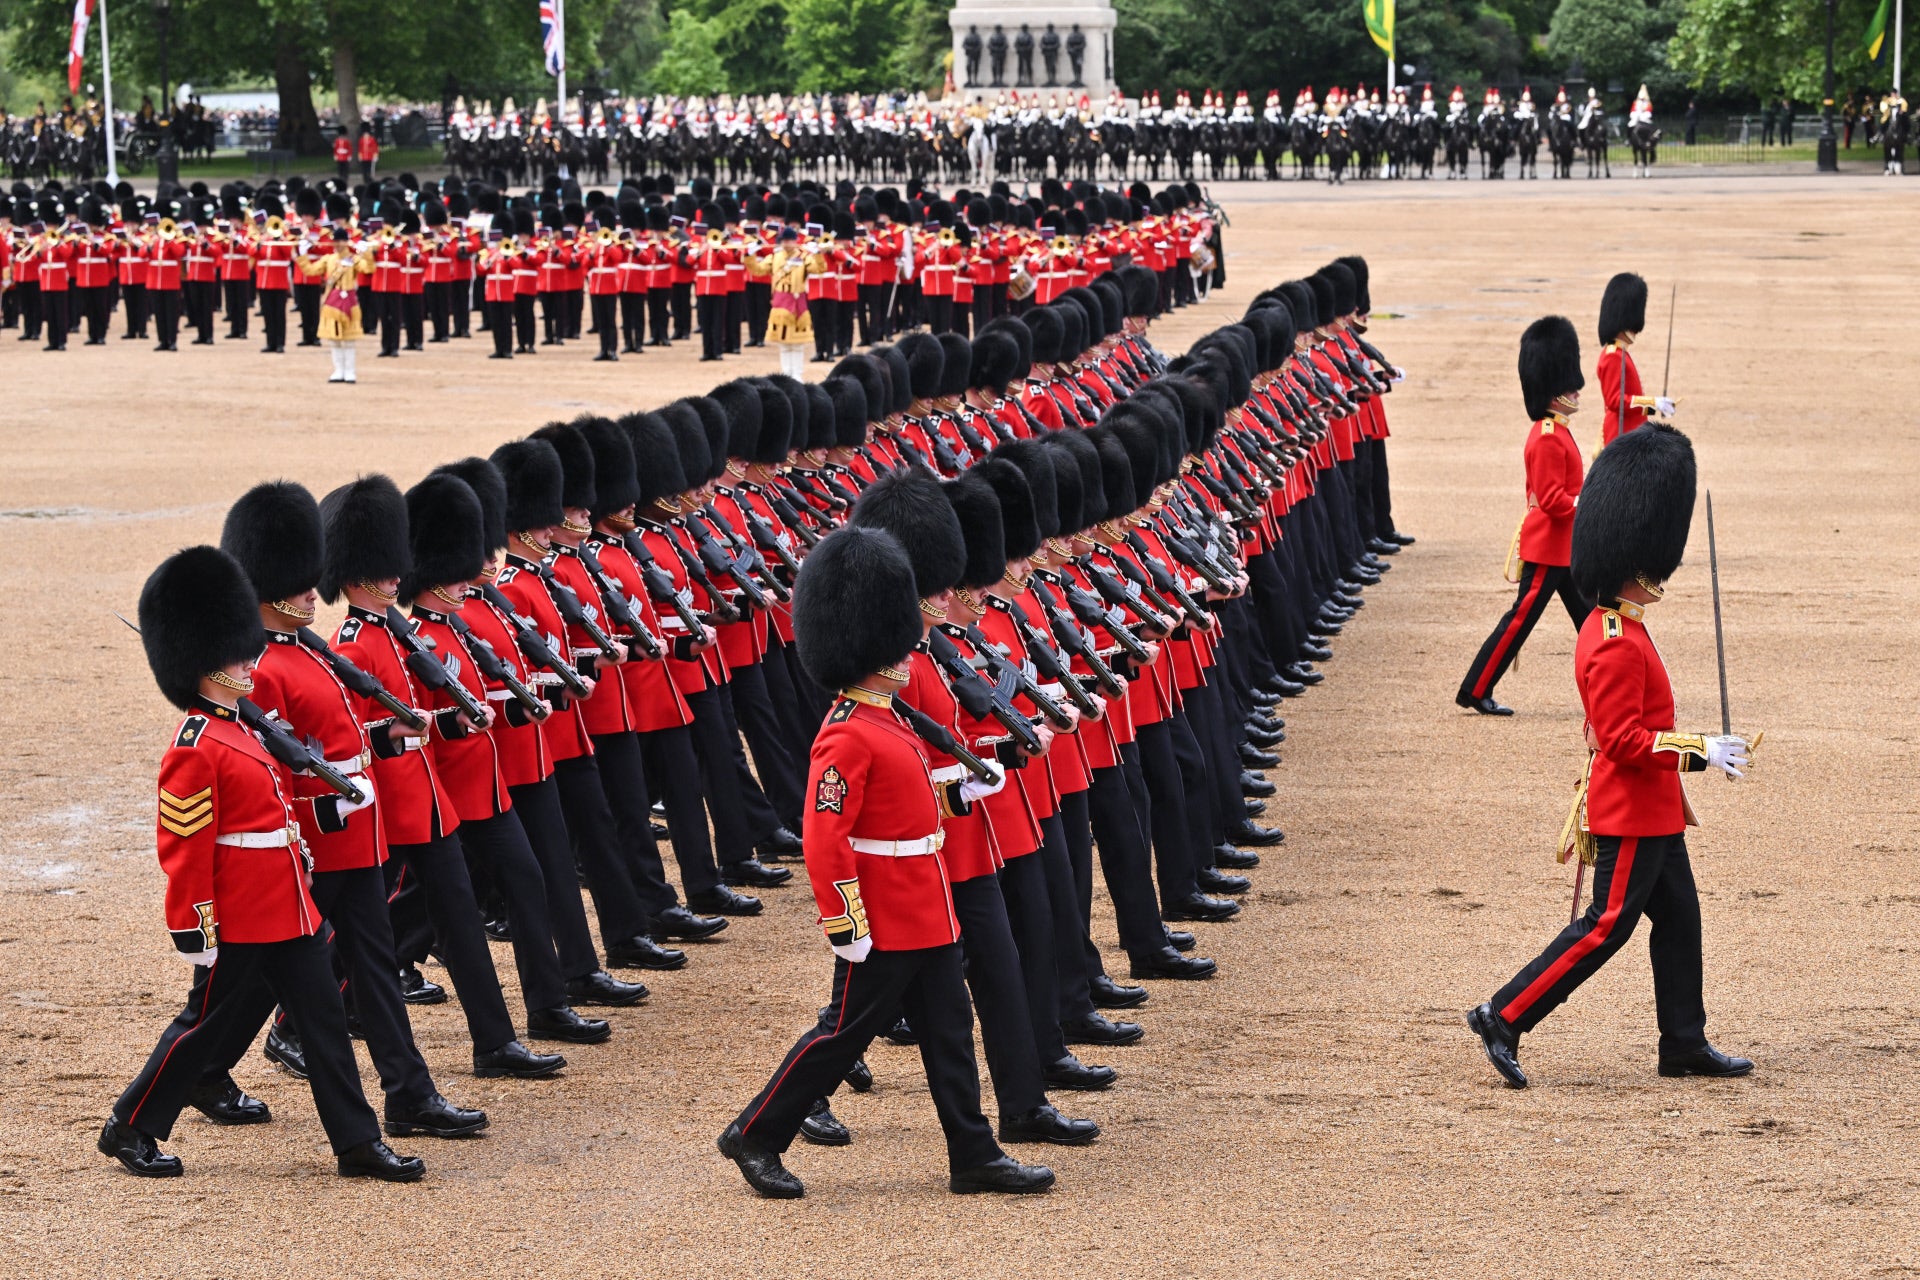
pixel 1623 314
pixel 873 837
pixel 368 560
pixel 220 790
pixel 1550 383
pixel 274 531
pixel 1631 815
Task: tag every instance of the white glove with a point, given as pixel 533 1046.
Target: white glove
pixel 1728 754
pixel 1664 406
pixel 973 789
pixel 856 951
pixel 343 806
pixel 206 957
pixel 1399 374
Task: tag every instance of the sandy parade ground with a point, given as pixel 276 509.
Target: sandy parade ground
pixel 1318 1109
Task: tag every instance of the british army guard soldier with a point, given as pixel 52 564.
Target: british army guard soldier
pixel 873 853
pixel 237 875
pixel 1623 314
pixel 1550 381
pixel 1627 541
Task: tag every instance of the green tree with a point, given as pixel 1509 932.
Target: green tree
pixel 1610 38
pixel 691 62
pixel 1769 48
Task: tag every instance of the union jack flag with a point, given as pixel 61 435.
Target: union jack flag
pixel 550 38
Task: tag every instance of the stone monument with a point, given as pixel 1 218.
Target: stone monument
pixel 1088 46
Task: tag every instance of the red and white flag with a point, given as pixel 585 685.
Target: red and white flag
pixel 77 45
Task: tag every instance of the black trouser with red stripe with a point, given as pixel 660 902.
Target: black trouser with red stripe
pixel 500 844
pixel 226 1003
pixel 1538 584
pixel 1633 876
pixel 867 997
pixel 999 988
pixel 438 869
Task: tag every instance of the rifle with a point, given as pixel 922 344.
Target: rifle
pixel 734 568
pixel 767 541
pixel 360 683
pixel 968 432
pixel 619 608
pixel 1022 682
pixel 941 738
pixel 1166 584
pixel 1115 593
pixel 1110 620
pixel 794 517
pixel 573 611
pixel 532 645
pixel 494 667
pixel 942 451
pixel 1194 556
pixel 819 488
pixel 724 610
pixel 430 670
pixel 1050 664
pixel 278 738
pixel 1077 642
pixel 979 697
pixel 659 582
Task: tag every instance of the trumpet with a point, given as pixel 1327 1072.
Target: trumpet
pixel 168 228
pixel 275 224
pixel 947 235
pixel 716 236
pixel 605 235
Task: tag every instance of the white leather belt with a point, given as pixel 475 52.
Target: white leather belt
pixel 351 765
pixel 499 695
pixel 949 773
pixel 1055 690
pixel 544 679
pixel 258 839
pixel 899 848
pixel 672 623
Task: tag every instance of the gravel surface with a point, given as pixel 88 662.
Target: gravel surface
pixel 1317 1109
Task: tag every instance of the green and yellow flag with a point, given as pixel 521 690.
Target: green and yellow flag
pixel 1379 15
pixel 1876 30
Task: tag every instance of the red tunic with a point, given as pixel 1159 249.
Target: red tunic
pixel 1634 789
pixel 654 701
pixel 1616 362
pixel 524 758
pixel 414 803
pixel 297 682
pixel 969 851
pixel 868 780
pixel 1554 472
pixel 520 582
pixel 471 762
pixel 217 781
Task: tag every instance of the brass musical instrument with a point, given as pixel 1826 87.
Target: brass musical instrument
pixel 605 235
pixel 275 225
pixel 168 228
pixel 947 235
pixel 716 236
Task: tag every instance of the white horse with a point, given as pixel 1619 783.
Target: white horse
pixel 980 151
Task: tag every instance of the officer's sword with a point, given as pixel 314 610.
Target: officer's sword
pixel 1671 301
pixel 1719 634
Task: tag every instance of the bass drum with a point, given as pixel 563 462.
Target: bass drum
pixel 1021 286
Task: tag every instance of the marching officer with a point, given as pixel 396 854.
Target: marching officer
pixel 1623 314
pixel 237 879
pixel 873 853
pixel 1550 382
pixel 1632 814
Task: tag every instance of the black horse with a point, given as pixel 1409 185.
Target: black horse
pixel 1460 133
pixel 1562 140
pixel 1526 146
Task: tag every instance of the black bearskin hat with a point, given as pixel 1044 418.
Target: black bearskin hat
pixel 871 374
pixel 715 426
pixel 1345 291
pixel 1142 288
pixel 1022 337
pixel 274 532
pixel 899 380
pixel 1623 307
pixel 656 458
pixel 1074 452
pixel 615 484
pixel 977 508
pixel 1073 330
pixel 741 404
pixel 800 404
pixel 1069 490
pixel 957 353
pixel 1049 334
pixel 364 533
pixel 1116 476
pixel 689 442
pixel 855 607
pixel 485 480
pixel 1018 517
pixel 449 534
pixel 531 469
pixel 994 360
pixel 1362 298
pixel 909 505
pixel 851 411
pixel 826 428
pixel 1549 363
pixel 926 364
pixel 576 464
pixel 198 613
pixel 1036 464
pixel 1635 509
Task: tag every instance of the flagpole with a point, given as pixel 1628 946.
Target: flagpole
pixel 1899 23
pixel 106 88
pixel 560 46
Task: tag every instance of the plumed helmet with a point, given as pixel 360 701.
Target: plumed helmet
pixel 1623 307
pixel 491 489
pixel 977 507
pixel 656 458
pixel 909 505
pixel 1019 519
pixel 576 464
pixel 1635 509
pixel 531 469
pixel 1549 363
pixel 198 613
pixel 1036 464
pixel 926 364
pixel 274 532
pixel 363 533
pixel 855 607
pixel 994 360
pixel 616 485
pixel 449 539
